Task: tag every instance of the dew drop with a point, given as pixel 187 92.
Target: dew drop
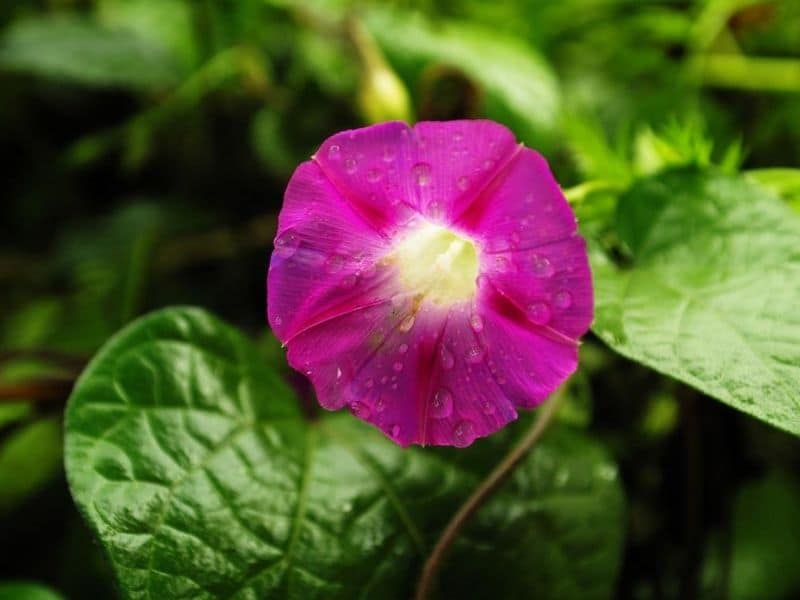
pixel 348 282
pixel 463 183
pixel 562 299
pixel 476 322
pixel 407 324
pixel 380 405
pixel 458 136
pixel 334 151
pixel 515 239
pixel 369 271
pixel 277 320
pixel 286 243
pixel 475 354
pixel 350 165
pixel 403 348
pixel 487 407
pixel 498 245
pixel 395 431
pixel 421 173
pixel 501 264
pixel 529 198
pixel 369 383
pixel 361 410
pixel 398 366
pixel 442 404
pixel 542 267
pixel 464 434
pixel 388 155
pixel 447 358
pixel 539 312
pixel 482 281
pixel 374 175
pixel 488 164
pixel 334 263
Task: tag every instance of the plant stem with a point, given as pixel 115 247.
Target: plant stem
pixel 482 493
pixel 43 390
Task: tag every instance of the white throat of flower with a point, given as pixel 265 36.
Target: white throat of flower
pixel 437 263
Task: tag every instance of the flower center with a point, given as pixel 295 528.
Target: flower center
pixel 437 263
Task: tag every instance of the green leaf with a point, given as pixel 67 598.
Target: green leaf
pixel 521 89
pixel 21 590
pixel 79 51
pixel 29 458
pixel 554 529
pixel 766 540
pixel 783 181
pixel 712 293
pixel 191 461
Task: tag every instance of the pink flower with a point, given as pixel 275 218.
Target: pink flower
pixel 430 278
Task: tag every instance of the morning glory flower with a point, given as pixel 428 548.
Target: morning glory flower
pixel 429 278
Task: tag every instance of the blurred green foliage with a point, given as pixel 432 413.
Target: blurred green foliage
pixel 147 144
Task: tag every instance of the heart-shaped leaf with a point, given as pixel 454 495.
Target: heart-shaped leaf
pixel 193 464
pixel 712 295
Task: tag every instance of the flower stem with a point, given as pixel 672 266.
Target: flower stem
pixel 489 485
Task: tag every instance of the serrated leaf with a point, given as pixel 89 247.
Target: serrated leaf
pixel 711 296
pixel 79 51
pixel 521 89
pixel 191 461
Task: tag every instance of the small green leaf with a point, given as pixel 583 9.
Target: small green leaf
pixel 23 590
pixel 79 51
pixel 711 296
pixel 191 461
pixel 29 458
pixel 766 540
pixel 521 89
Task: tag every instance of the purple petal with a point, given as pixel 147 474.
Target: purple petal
pixel 326 257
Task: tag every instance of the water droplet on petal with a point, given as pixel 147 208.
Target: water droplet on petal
pixel 529 198
pixel 334 151
pixel 374 175
pixel 458 136
pixel 442 404
pixel 542 267
pixel 464 434
pixel 476 322
pixel 277 320
pixel 421 173
pixel 398 366
pixel 350 165
pixel 380 405
pixel 562 299
pixel 475 354
pixel 482 281
pixel 361 410
pixel 515 239
pixel 487 407
pixel 286 243
pixel 403 348
pixel 348 282
pixel 488 164
pixel 388 155
pixel 501 264
pixel 407 323
pixel 369 383
pixel 539 312
pixel 463 183
pixel 368 271
pixel 447 358
pixel 395 430
pixel 334 263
